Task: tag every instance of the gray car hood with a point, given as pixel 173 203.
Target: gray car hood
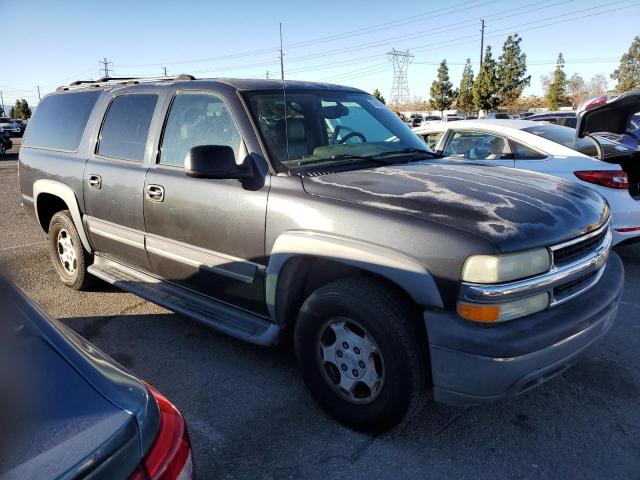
pixel 511 208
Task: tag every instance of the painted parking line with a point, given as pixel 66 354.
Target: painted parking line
pixel 15 247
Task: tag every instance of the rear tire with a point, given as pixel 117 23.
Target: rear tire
pixel 362 354
pixel 68 255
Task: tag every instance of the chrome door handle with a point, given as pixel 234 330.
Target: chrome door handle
pixel 95 181
pixel 155 193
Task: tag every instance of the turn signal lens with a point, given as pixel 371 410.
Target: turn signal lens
pixel 490 313
pixel 504 268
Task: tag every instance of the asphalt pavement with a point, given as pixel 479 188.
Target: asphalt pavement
pixel 250 416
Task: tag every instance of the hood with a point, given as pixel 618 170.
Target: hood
pixel 597 114
pixel 511 208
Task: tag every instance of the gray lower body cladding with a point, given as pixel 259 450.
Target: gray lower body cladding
pixel 472 364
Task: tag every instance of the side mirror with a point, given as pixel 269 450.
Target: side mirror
pixel 214 161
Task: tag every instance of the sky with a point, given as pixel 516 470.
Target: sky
pixel 51 43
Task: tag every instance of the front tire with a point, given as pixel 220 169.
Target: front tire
pixel 68 256
pixel 362 354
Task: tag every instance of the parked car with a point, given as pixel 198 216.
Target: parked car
pixel 416 119
pixel 70 411
pixel 498 116
pixel 525 115
pixel 565 119
pixel 8 126
pixel 393 271
pixel 19 126
pixel 5 142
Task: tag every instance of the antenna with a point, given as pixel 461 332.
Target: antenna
pixel 400 88
pixel 284 94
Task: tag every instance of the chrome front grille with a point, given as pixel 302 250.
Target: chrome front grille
pixel 577 265
pixel 568 252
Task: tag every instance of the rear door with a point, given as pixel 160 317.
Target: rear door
pixel 478 146
pixel 206 235
pixel 114 177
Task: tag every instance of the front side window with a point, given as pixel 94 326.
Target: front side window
pixel 477 146
pixel 126 127
pixel 306 130
pixel 197 119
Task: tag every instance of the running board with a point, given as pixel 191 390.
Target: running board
pixel 237 323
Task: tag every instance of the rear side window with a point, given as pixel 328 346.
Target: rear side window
pixel 525 153
pixel 60 120
pixel 126 127
pixel 477 146
pixel 432 139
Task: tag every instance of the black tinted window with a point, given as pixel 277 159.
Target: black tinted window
pixel 59 121
pixel 525 153
pixel 126 126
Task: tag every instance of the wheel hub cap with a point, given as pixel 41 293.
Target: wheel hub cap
pixel 350 360
pixel 67 252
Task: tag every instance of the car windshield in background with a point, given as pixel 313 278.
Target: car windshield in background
pixel 326 129
pixel 566 136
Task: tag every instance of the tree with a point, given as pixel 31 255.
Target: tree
pixel 556 95
pixel 441 89
pixel 378 95
pixel 511 70
pixel 628 73
pixel 465 92
pixel 576 90
pixel 485 88
pixel 598 85
pixel 21 110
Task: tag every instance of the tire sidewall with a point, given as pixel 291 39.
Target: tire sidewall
pixel 63 221
pixel 393 401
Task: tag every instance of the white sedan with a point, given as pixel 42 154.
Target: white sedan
pixel 550 149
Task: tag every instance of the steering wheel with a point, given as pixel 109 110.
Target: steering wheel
pixel 353 133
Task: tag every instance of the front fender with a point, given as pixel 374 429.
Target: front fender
pixel 67 194
pixel 405 271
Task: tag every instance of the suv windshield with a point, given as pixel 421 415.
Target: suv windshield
pixel 321 129
pixel 566 136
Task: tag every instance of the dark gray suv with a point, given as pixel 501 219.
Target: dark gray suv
pixel 310 211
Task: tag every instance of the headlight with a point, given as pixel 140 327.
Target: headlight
pixel 504 268
pixel 501 312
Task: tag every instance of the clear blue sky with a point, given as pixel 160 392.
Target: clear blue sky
pixel 49 43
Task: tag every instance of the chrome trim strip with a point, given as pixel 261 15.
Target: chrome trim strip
pixel 218 263
pixel 118 233
pixel 580 239
pixel 557 276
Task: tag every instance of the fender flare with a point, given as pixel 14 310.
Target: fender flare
pixel 64 192
pixel 405 271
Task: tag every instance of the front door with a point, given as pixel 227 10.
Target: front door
pixel 114 179
pixel 204 234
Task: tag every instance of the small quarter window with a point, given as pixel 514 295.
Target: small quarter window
pixel 126 127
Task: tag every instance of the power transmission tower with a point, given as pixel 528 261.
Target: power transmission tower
pixel 481 40
pixel 105 67
pixel 267 74
pixel 1 104
pixel 38 87
pixel 165 71
pixel 400 88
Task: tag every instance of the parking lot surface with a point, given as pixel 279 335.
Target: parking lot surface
pixel 250 416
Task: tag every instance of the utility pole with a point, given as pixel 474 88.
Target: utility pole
pixel 267 74
pixel 105 67
pixel 281 56
pixel 1 103
pixel 481 40
pixel 38 87
pixel 165 71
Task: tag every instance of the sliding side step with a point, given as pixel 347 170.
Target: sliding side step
pixel 237 323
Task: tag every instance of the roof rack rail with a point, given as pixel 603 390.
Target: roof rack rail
pixel 120 81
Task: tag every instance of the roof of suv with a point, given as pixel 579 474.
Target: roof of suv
pixel 237 83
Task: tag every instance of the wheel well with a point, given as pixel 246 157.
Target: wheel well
pixel 302 275
pixel 47 206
